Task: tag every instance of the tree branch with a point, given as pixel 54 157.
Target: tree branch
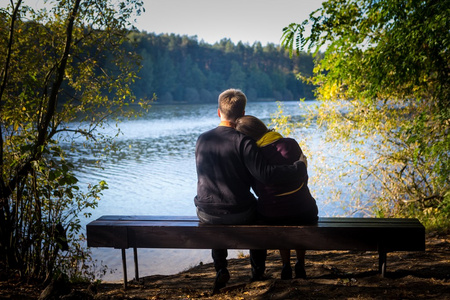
pixel 53 100
pixel 4 79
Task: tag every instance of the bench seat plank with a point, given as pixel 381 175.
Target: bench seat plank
pixel 187 232
pixel 195 219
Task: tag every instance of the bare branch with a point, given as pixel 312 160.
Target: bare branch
pixel 80 131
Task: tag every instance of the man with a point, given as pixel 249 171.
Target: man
pixel 227 164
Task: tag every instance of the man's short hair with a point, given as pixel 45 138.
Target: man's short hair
pixel 232 104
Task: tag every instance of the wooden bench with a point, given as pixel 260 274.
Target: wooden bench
pixel 367 234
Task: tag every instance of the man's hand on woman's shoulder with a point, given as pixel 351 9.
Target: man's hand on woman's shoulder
pixel 303 159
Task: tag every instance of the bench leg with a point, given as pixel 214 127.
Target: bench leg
pixel 136 270
pixel 382 257
pixel 124 265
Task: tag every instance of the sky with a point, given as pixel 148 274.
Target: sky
pixel 247 21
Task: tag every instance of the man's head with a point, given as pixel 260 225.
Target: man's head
pixel 232 104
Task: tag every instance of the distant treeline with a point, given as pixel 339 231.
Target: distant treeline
pixel 181 69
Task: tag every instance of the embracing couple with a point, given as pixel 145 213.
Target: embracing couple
pixel 240 154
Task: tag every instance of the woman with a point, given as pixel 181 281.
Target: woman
pixel 290 203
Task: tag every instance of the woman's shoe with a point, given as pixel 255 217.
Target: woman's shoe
pixel 300 271
pixel 286 272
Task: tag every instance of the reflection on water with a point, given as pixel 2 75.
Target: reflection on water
pixel 152 172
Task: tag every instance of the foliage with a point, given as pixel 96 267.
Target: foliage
pixel 53 90
pixel 383 84
pixel 281 122
pixel 179 67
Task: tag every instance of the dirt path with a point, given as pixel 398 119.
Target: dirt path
pixel 331 275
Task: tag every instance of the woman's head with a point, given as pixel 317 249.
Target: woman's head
pixel 251 126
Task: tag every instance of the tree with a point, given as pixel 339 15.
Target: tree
pixel 260 81
pixel 57 82
pixel 144 86
pixel 384 85
pixel 237 76
pixel 166 74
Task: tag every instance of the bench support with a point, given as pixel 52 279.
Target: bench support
pixel 382 258
pixel 136 270
pixel 124 265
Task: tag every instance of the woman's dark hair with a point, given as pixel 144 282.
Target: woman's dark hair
pixel 251 126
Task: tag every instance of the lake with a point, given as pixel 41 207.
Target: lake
pixel 152 172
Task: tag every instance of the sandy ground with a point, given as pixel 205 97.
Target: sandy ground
pixel 331 275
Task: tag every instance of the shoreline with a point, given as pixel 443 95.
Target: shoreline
pixel 153 261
